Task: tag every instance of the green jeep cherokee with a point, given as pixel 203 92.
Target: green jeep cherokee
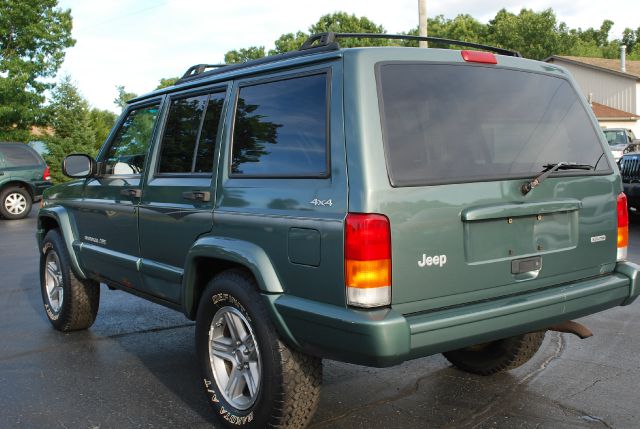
pixel 369 205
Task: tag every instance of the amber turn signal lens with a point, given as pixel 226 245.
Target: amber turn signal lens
pixel 368 274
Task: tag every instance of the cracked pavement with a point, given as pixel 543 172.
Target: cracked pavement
pixel 136 368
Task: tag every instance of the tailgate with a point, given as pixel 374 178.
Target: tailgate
pixel 448 252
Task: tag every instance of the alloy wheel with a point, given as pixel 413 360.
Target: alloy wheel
pixel 234 358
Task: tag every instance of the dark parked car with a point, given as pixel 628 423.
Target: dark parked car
pixel 629 166
pixel 23 178
pixel 368 205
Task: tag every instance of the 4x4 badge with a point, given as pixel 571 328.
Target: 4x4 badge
pixel 316 202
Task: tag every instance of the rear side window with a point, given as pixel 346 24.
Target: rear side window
pixel 18 156
pixel 128 149
pixel 190 133
pixel 458 123
pixel 280 129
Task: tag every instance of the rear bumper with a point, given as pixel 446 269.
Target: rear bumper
pixel 386 337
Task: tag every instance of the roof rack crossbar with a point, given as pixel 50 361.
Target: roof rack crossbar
pixel 322 39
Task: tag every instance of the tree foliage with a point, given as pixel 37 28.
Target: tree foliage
pixel 536 35
pixel 167 81
pixel 123 96
pixel 33 37
pixel 101 122
pixel 338 22
pixel 70 120
pixel 243 55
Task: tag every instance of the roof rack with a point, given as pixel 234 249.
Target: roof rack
pixel 200 68
pixel 323 42
pixel 328 38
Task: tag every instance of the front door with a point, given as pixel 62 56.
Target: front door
pixel 108 226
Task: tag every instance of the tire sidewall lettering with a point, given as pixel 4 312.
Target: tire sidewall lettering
pixel 223 299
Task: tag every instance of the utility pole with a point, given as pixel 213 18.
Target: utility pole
pixel 422 22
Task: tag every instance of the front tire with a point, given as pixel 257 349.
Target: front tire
pixel 15 203
pixel 496 356
pixel 70 303
pixel 251 377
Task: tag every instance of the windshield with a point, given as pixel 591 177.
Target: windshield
pixel 445 123
pixel 616 137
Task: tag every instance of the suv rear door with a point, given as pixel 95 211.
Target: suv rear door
pixel 460 141
pixel 177 198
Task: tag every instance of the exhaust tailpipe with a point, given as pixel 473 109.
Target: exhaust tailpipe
pixel 572 327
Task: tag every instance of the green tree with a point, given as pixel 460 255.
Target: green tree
pixel 168 81
pixel 535 34
pixel 244 55
pixel 33 37
pixel 338 22
pixel 123 96
pixel 71 124
pixel 462 27
pixel 101 122
pixel 631 39
pixel 289 42
pixel 342 22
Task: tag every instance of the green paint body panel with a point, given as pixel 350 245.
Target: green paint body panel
pixel 386 337
pixel 285 232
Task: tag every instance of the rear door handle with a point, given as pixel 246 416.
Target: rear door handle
pixel 131 192
pixel 203 196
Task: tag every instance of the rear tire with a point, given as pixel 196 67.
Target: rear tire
pixel 15 203
pixel 252 378
pixel 70 303
pixel 496 356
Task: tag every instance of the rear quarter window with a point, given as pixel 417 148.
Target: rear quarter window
pixel 280 129
pixel 445 123
pixel 18 156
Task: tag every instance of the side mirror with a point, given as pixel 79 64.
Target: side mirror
pixel 79 165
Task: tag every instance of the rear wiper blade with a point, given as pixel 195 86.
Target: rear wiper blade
pixel 548 170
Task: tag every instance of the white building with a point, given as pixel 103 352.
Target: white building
pixel 612 87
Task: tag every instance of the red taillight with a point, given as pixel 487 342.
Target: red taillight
pixel 47 174
pixel 367 253
pixel 479 57
pixel 623 227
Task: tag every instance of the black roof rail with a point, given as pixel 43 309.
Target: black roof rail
pixel 323 42
pixel 322 39
pixel 196 72
pixel 200 68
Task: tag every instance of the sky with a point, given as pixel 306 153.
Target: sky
pixel 135 43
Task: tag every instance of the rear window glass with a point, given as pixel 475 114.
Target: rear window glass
pixel 447 123
pixel 280 129
pixel 18 156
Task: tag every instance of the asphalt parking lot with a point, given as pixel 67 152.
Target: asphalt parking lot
pixel 136 368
